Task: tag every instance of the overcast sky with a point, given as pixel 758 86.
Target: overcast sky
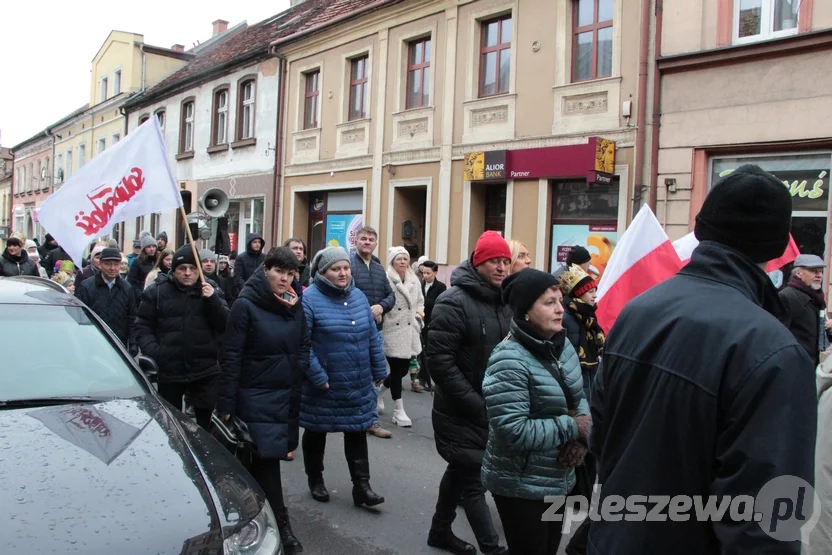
pixel 46 52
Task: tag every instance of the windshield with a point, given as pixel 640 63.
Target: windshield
pixel 57 351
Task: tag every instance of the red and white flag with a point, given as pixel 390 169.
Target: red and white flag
pixel 128 180
pixel 643 257
pixel 685 246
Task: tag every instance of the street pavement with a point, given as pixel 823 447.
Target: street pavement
pixel 406 470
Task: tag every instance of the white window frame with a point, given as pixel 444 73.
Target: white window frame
pixel 59 164
pixel 189 126
pixel 222 118
pixel 82 155
pixel 115 139
pixel 104 83
pixel 161 119
pixel 247 128
pixel 117 82
pixel 102 145
pixel 766 24
pixel 68 169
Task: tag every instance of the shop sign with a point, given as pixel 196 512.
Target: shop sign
pixel 481 166
pixel 599 240
pixel 604 156
pixel 809 188
pixel 341 230
pixel 601 178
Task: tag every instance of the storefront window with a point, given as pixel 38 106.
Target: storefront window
pixel 334 219
pixel 495 208
pixel 244 217
pixel 807 178
pixel 579 200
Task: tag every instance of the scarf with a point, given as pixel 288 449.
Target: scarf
pixel 816 295
pixel 591 339
pixel 287 299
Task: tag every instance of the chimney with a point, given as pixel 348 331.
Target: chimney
pixel 220 26
pixel 178 47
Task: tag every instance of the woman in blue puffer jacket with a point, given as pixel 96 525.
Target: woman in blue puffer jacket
pixel 535 440
pixel 346 364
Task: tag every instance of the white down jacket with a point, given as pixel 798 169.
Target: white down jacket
pixel 403 325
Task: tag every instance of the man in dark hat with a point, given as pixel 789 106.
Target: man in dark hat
pixel 703 392
pixel 805 301
pixel 578 256
pixel 110 296
pixel 161 241
pixel 190 316
pixel 137 250
pixel 49 244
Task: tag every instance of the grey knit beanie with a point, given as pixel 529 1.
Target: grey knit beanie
pixel 326 258
pixel 206 254
pixel 148 240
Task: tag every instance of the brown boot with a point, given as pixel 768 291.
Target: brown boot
pixel 378 431
pixel 416 386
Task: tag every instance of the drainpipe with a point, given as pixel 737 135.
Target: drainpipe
pixel 641 115
pixel 278 149
pixel 144 66
pixel 657 110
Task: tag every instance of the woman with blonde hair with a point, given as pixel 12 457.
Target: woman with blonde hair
pixel 402 328
pixel 520 257
pixel 163 264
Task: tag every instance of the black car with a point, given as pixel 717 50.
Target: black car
pixel 92 461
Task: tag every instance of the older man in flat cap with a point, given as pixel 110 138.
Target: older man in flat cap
pixel 805 304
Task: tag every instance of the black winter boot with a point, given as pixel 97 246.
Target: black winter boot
pixel 318 489
pixel 447 540
pixel 362 493
pixel 287 536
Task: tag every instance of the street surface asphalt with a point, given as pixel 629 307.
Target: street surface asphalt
pixel 406 470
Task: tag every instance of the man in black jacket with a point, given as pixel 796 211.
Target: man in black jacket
pixel 15 260
pixel 431 289
pixel 804 301
pixel 110 296
pixel 467 322
pixel 179 323
pixel 250 260
pixel 703 392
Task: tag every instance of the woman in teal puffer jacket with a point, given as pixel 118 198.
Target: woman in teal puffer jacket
pixel 534 439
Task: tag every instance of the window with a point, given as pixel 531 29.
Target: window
pixel 143 119
pixel 763 19
pixel 39 176
pixel 310 106
pixel 59 165
pixel 117 82
pixel 160 115
pixel 22 177
pixel 45 173
pixel 31 184
pixel 68 171
pixel 103 89
pixel 418 74
pixel 82 155
pixel 245 114
pixel 495 56
pixel 592 44
pixel 220 135
pixel 186 139
pixel 116 138
pixel 102 144
pixel 358 88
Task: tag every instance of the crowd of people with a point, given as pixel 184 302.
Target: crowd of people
pixel 698 389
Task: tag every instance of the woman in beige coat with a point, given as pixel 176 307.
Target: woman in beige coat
pixel 402 328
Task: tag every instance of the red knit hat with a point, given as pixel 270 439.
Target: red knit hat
pixel 490 245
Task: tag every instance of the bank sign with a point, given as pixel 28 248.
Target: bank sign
pixel 594 160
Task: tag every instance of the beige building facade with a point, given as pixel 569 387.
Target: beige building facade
pixel 746 82
pixel 432 121
pixel 6 176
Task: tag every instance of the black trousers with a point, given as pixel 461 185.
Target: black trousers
pixel 314 447
pixel 399 368
pixel 424 371
pixel 524 528
pixel 465 481
pixel 267 474
pixel 202 393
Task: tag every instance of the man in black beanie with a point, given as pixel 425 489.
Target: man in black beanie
pixel 702 391
pixel 578 256
pixel 179 324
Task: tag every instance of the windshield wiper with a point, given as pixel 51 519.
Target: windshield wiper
pixel 50 401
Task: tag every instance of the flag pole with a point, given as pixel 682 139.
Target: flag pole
pixel 191 241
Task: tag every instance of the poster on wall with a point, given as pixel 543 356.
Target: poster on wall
pixel 341 230
pixel 599 240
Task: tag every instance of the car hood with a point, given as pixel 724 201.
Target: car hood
pixel 100 478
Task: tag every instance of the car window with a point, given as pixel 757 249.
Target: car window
pixel 57 351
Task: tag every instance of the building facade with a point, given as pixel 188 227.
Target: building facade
pixel 220 114
pixel 435 120
pixel 746 81
pixel 32 184
pixel 123 66
pixel 6 175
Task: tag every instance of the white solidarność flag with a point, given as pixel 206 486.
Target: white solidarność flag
pixel 128 180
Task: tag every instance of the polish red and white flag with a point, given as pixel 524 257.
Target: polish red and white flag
pixel 643 257
pixel 685 246
pixel 128 180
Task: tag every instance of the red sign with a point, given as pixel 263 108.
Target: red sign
pixel 232 241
